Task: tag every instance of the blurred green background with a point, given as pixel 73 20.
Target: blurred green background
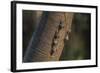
pixel 78 46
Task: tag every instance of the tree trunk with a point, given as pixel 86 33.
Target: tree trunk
pixel 48 40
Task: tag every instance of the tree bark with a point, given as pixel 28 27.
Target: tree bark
pixel 48 40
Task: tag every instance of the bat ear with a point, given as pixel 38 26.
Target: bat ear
pixel 67 37
pixel 68 33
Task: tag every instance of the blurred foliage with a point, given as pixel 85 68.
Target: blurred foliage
pixel 28 27
pixel 78 46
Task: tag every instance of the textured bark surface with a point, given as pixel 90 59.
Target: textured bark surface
pixel 40 47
